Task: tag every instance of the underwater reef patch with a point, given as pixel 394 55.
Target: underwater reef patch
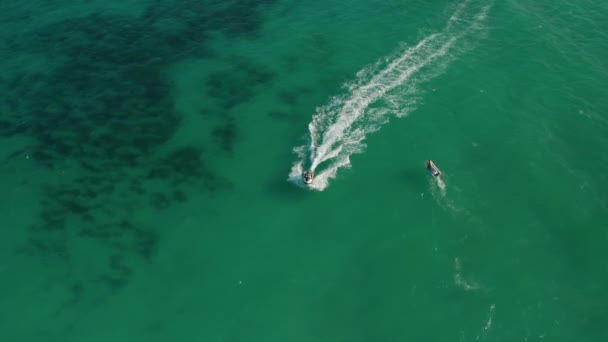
pixel 232 86
pixel 107 113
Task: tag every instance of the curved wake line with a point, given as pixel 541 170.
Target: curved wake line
pixel 338 129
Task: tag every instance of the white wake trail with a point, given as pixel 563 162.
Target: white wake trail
pixel 338 129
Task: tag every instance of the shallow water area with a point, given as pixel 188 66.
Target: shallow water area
pixel 151 156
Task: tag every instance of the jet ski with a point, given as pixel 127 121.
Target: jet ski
pixel 432 168
pixel 307 177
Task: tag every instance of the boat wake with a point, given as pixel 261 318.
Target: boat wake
pixel 338 129
pixel 441 185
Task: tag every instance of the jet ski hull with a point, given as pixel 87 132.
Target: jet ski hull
pixel 307 177
pixel 433 170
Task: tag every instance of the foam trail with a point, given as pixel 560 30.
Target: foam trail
pixel 441 185
pixel 488 325
pixel 460 281
pixel 457 13
pixel 338 129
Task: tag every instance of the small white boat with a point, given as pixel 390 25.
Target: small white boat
pixel 432 168
pixel 307 177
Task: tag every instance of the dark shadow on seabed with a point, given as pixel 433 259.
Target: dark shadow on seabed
pixel 107 112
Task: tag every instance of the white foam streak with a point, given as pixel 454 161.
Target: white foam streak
pixel 361 98
pixel 338 129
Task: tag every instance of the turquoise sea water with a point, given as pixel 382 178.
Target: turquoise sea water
pixel 150 153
